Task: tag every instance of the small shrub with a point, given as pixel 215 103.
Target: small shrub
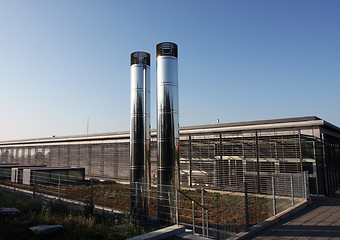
pixel 77 224
pixel 337 193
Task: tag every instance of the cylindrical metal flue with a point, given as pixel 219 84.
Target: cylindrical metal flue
pixel 167 130
pixel 140 132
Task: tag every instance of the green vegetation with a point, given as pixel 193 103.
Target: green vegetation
pixel 226 209
pixel 77 225
pixel 337 193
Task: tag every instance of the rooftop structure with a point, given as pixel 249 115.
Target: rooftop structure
pixel 214 156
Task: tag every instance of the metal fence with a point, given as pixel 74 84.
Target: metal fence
pixel 207 159
pixel 217 214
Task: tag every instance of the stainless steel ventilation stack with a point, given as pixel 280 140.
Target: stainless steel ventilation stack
pixel 140 133
pixel 167 130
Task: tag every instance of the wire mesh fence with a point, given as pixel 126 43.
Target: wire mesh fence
pixel 207 159
pixel 218 214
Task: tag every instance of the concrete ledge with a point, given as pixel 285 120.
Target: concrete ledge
pixel 161 233
pixel 188 234
pixel 271 221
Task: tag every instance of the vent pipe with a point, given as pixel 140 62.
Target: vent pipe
pixel 167 130
pixel 140 133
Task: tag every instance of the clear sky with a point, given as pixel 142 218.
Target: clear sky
pixel 62 62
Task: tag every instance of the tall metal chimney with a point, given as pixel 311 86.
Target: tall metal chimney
pixel 167 130
pixel 140 133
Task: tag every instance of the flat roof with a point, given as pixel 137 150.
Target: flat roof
pixel 234 126
pixel 257 122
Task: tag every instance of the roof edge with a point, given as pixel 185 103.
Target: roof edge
pixel 125 134
pixel 257 122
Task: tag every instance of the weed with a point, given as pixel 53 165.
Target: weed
pixel 77 225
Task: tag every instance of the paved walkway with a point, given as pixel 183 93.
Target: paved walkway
pixel 321 220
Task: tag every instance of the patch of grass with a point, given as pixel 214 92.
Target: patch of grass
pixel 225 210
pixel 77 225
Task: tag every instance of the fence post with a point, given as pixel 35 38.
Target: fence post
pixel 91 200
pixel 273 190
pixel 15 178
pixel 206 214
pixel 292 189
pixel 203 218
pixel 246 206
pixel 193 216
pixel 177 206
pixel 306 183
pixel 190 162
pixel 34 183
pixel 59 188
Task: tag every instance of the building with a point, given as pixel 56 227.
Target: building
pixel 214 156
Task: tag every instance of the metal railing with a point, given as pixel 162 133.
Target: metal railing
pixel 217 214
pixel 205 213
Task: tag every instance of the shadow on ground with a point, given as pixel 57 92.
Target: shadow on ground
pixel 320 220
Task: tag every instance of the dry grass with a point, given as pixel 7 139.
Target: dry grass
pixel 77 225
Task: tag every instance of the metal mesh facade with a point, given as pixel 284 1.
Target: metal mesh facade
pixel 227 159
pixel 215 160
pixel 331 167
pixel 106 160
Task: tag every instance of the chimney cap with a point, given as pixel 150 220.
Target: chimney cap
pixel 140 58
pixel 167 49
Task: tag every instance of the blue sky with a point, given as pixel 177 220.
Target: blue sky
pixel 62 62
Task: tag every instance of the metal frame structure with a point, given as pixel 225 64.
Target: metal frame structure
pixel 239 151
